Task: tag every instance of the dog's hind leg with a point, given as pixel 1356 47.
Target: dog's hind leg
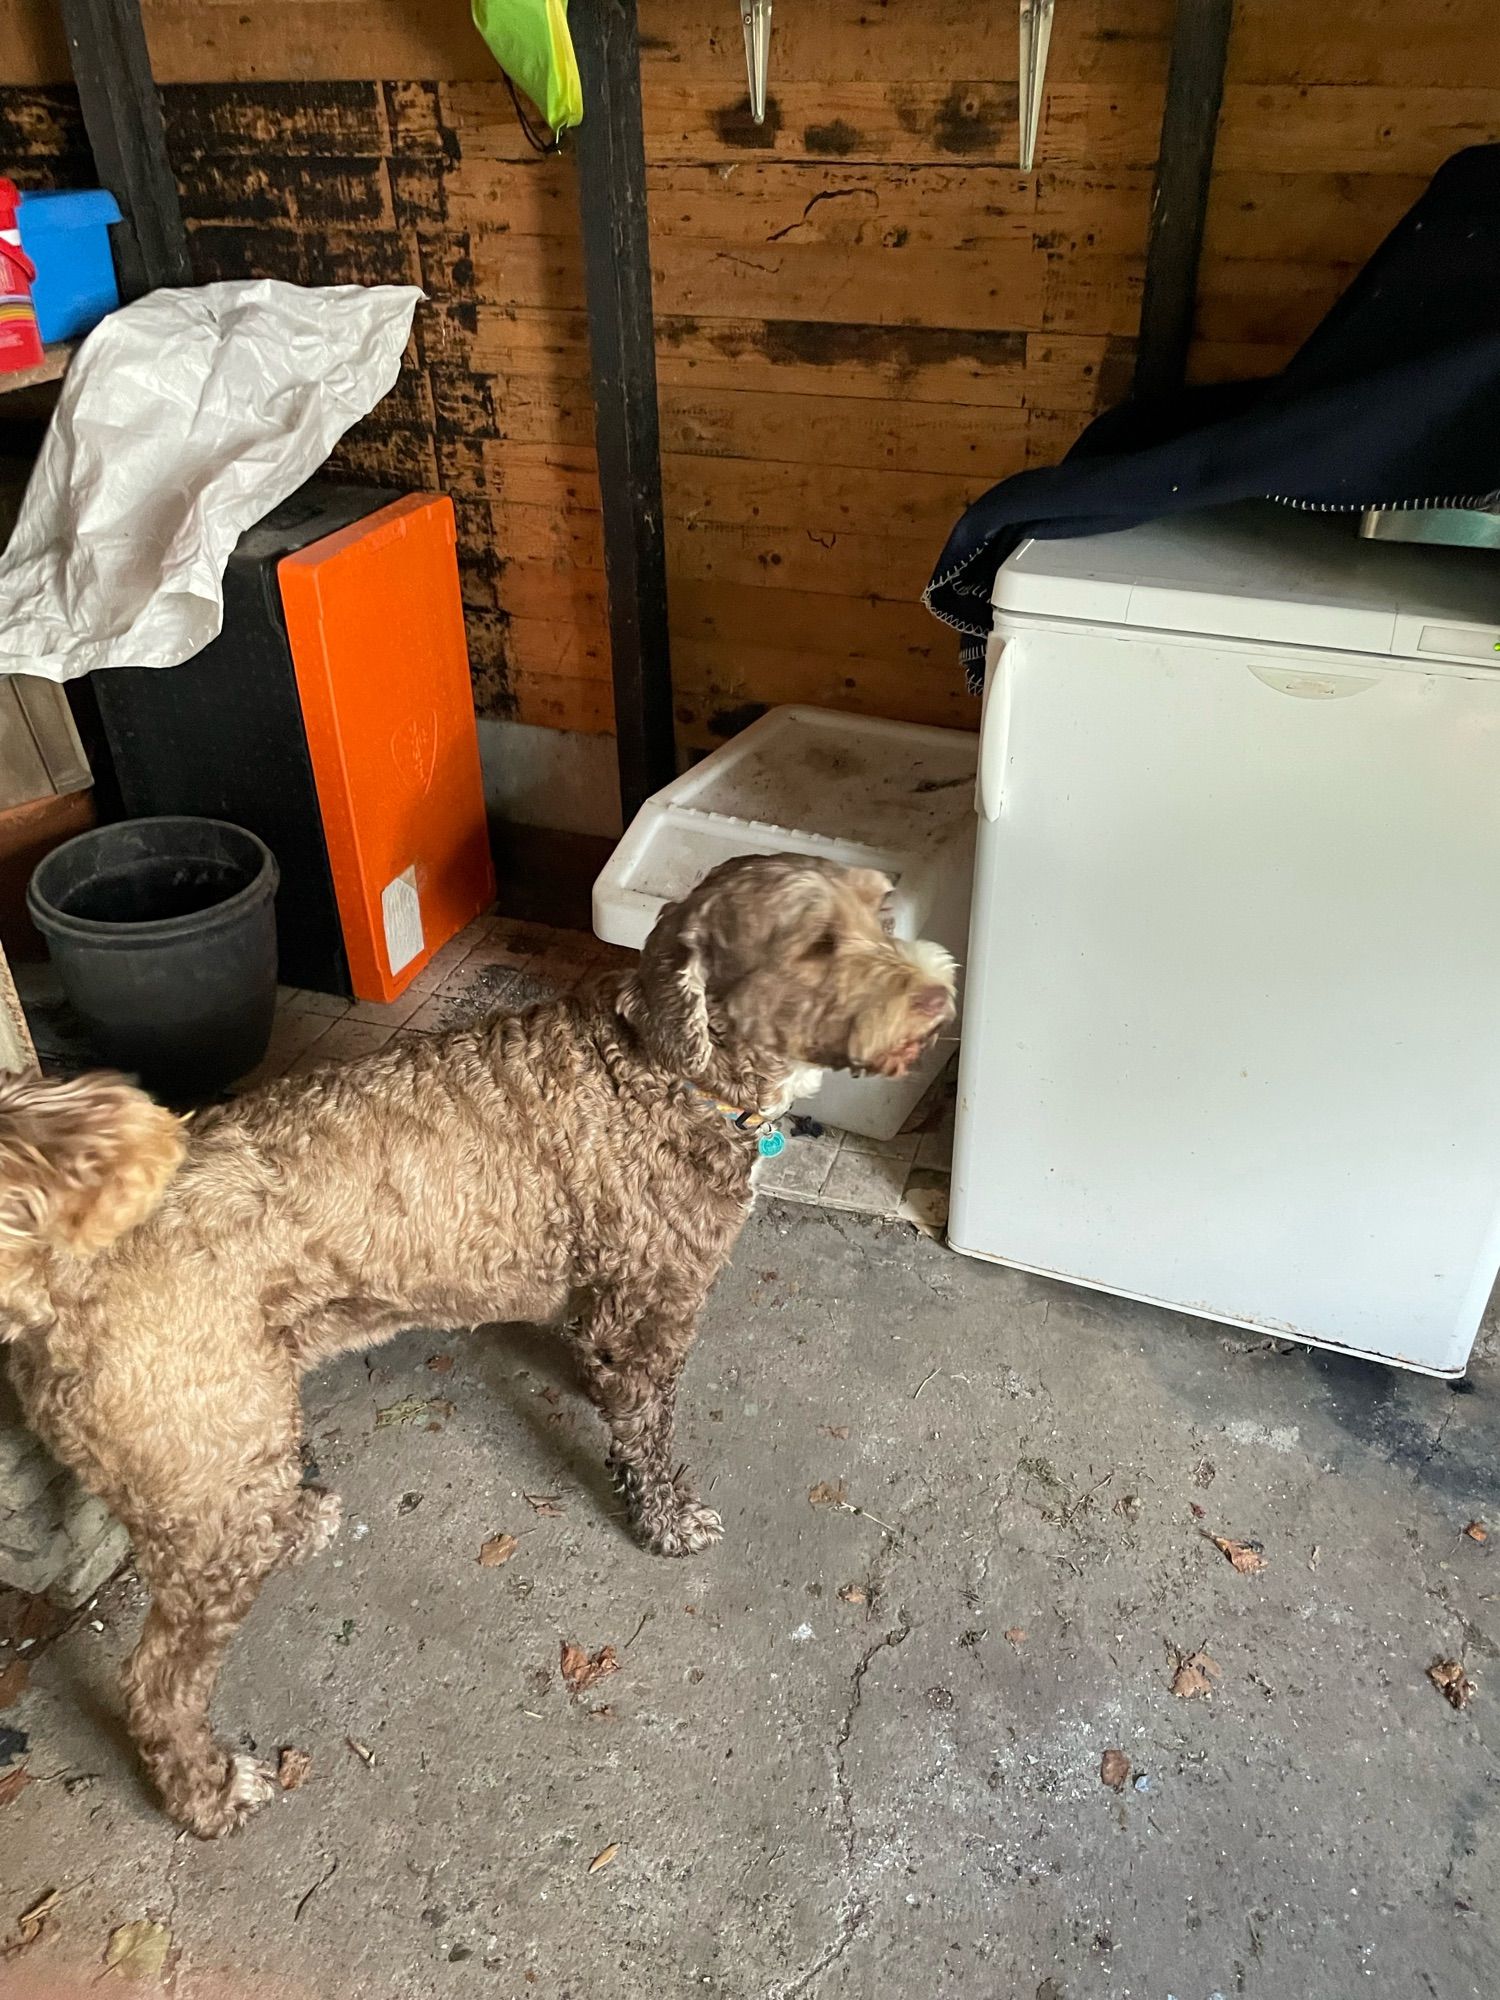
pixel 203 1581
pixel 631 1365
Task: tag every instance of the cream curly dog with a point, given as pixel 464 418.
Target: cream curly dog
pixel 582 1163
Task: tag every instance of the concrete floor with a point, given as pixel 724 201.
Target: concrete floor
pixel 852 1800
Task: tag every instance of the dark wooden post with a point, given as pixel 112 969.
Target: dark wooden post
pixel 617 273
pixel 122 115
pixel 1189 128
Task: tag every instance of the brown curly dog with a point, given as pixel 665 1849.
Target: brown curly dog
pixel 581 1163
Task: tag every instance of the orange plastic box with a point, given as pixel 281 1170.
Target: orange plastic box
pixel 376 627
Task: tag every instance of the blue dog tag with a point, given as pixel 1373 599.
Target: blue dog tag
pixel 769 1144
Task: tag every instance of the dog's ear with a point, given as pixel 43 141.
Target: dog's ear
pixel 876 890
pixel 668 1003
pixel 903 1010
pixel 81 1161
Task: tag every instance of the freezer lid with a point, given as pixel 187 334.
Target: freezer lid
pixel 1267 572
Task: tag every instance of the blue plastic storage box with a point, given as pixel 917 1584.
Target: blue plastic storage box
pixel 67 237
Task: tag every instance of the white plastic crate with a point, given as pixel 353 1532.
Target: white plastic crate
pixel 888 795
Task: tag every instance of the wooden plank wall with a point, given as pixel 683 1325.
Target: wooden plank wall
pixel 866 315
pixel 1334 120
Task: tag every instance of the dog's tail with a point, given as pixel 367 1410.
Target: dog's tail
pixel 80 1163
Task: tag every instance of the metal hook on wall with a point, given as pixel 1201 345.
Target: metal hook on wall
pixel 1036 37
pixel 755 17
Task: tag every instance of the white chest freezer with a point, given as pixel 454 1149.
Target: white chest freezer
pixel 1232 1036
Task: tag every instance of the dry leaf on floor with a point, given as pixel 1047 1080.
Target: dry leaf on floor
pixel 406 1411
pixel 1450 1680
pixel 1476 1532
pixel 13 1679
pixel 413 1409
pixel 498 1549
pixel 1114 1769
pixel 138 1951
pixel 361 1750
pixel 580 1673
pixel 834 1430
pixel 1017 1634
pixel 440 1364
pixel 854 1593
pixel 293 1767
pixel 31 1923
pixel 824 1495
pixel 544 1504
pixel 1195 1675
pixel 1246 1557
pixel 603 1858
pixel 13 1784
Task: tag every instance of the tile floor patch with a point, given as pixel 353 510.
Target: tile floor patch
pixel 868 1182
pixel 905 1178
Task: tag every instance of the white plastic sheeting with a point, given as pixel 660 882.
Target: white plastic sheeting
pixel 185 418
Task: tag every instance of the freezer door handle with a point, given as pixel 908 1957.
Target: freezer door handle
pixel 1309 686
pixel 994 727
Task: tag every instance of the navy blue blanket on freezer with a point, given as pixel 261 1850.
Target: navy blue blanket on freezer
pixel 1394 401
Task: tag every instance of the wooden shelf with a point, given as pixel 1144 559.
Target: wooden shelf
pixel 51 368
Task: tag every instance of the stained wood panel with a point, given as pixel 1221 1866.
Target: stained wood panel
pixel 1446 44
pixel 867 316
pixel 1332 126
pixel 865 313
pixel 826 431
pixel 542 543
pixel 849 562
pixel 1337 128
pixel 833 499
pixel 722 687
pixel 904 123
pixel 985 367
pixel 1326 219
pixel 253 41
pixel 835 42
pixel 1116 42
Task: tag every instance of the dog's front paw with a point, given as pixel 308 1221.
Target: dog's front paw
pixel 251 1786
pixel 318 1524
pixel 247 1785
pixel 682 1529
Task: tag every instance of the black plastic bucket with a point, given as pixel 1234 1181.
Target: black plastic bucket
pixel 163 933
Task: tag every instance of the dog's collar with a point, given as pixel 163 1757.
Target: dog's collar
pixel 757 1125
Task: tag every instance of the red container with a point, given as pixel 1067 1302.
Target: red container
pixel 20 343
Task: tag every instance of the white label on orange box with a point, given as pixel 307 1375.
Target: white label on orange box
pixel 402 913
